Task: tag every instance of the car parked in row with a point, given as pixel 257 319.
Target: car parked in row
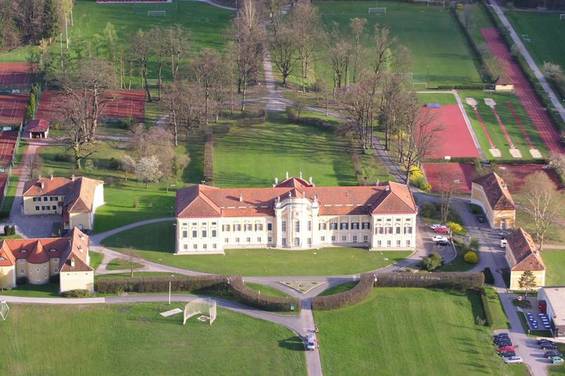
pixel 513 360
pixel 440 239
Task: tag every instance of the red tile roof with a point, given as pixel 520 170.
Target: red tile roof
pixel 524 251
pixel 41 250
pixel 201 201
pixel 37 125
pixel 497 192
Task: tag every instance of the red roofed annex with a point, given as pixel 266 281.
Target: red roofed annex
pixel 37 260
pixel 295 214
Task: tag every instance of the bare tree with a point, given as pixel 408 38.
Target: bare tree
pixel 140 53
pixel 542 202
pixel 248 46
pixel 176 44
pixel 208 72
pixel 84 90
pixel 340 51
pixel 305 23
pixel 357 26
pixel 283 51
pixel 157 142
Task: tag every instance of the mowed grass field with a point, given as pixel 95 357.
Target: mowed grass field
pixel 440 55
pixel 555 262
pixel 545 33
pixel 205 22
pixel 409 331
pixel 156 242
pixel 253 155
pixel 136 340
pixel 512 121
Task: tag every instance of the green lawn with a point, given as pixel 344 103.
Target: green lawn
pixel 458 264
pixel 36 291
pixel 440 55
pixel 500 321
pixel 253 155
pixel 555 263
pixel 545 34
pixel 95 259
pixel 136 340
pixel 338 288
pixel 266 290
pixel 494 129
pixel 156 242
pixel 408 331
pixel 120 264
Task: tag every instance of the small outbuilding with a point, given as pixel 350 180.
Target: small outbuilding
pixel 552 300
pixel 522 256
pixel 492 194
pixel 37 128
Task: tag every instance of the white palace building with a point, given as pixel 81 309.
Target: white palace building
pixel 295 214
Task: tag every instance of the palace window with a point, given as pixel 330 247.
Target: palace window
pixel 408 243
pixel 258 227
pixel 185 234
pixel 237 227
pixel 344 238
pixel 355 225
pixel 204 246
pixel 398 230
pixel 297 226
pixel 248 240
pixel 333 226
pixel 194 233
pixel 283 225
pixel 248 227
pixel 204 233
pixel 408 230
pixel 269 227
pixel 365 238
pixel 297 242
pixel 398 243
pixel 226 241
pixel 213 233
pixel 365 225
pixel 354 238
pixel 309 225
pixel 344 226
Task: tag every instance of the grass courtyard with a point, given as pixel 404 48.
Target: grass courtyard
pixel 515 120
pixel 555 262
pixel 156 243
pixel 136 340
pixel 408 331
pixel 253 155
pixel 439 51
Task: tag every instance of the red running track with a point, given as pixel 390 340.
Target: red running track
pixel 12 109
pixel 453 139
pixel 15 74
pixel 484 127
pixel 518 121
pixel 524 91
pixel 503 128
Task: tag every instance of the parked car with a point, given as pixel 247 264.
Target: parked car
pixel 435 225
pixel 442 230
pixel 548 346
pixel 556 360
pixel 551 353
pixel 506 348
pixel 513 360
pixel 543 340
pixel 440 239
pixel 507 354
pixel 310 342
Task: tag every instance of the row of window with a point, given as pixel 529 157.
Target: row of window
pixel 53 207
pixel 45 198
pixel 390 230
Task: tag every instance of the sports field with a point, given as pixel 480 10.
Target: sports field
pixel 136 340
pixel 542 33
pixel 12 109
pixel 439 51
pixel 253 155
pixel 15 75
pixel 450 175
pixel 156 243
pixel 409 331
pixel 503 126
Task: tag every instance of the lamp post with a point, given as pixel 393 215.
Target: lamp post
pixel 170 287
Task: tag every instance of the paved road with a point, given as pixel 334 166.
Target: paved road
pixel 528 58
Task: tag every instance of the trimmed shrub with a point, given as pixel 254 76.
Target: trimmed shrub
pixel 77 294
pixel 489 277
pixel 353 296
pixel 455 280
pixel 432 262
pixel 418 179
pixel 486 307
pixel 253 298
pixel 9 230
pixel 159 284
pixel 471 257
pixel 456 228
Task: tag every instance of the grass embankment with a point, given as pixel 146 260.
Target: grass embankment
pixel 156 243
pixel 409 331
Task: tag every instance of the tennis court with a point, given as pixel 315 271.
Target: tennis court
pixel 12 109
pixel 444 176
pixel 8 141
pixel 15 75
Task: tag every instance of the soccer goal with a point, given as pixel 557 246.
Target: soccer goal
pixel 4 309
pixel 562 17
pixel 157 13
pixel 377 11
pixel 200 306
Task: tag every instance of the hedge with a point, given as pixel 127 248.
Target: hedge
pixel 76 294
pixel 209 158
pixel 253 298
pixel 353 296
pixel 159 284
pixel 486 307
pixel 456 280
